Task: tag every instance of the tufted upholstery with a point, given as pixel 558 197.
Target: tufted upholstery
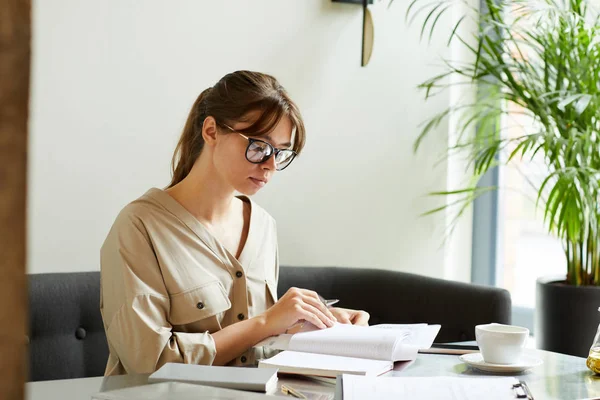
pixel 66 334
pixel 403 298
pixel 67 337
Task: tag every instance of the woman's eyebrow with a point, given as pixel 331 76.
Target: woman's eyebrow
pixel 288 144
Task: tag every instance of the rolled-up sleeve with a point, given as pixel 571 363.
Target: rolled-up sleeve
pixel 135 307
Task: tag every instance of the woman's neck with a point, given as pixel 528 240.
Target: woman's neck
pixel 205 195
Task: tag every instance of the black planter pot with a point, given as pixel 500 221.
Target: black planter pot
pixel 566 317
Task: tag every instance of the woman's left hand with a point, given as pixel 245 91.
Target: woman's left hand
pixel 347 316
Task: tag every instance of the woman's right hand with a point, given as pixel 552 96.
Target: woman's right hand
pixel 296 305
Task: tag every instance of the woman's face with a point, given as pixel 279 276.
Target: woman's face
pixel 230 156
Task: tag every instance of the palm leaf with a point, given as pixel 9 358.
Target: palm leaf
pixel 544 58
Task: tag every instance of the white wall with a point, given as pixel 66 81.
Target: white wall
pixel 113 82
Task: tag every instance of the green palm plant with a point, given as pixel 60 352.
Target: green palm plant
pixel 542 58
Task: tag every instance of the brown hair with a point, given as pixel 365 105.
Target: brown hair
pixel 231 99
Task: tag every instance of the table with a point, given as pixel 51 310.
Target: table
pixel 560 377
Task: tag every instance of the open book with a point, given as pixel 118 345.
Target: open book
pixel 348 349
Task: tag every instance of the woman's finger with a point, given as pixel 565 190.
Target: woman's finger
pixel 361 318
pixel 312 298
pixel 344 318
pixel 322 317
pixel 312 318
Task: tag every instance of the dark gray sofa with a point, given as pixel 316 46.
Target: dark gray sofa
pixel 67 337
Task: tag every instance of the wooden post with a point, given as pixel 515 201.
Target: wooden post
pixel 15 35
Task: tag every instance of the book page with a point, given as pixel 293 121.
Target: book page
pixel 348 341
pixel 404 352
pixel 390 342
pixel 420 335
pixel 429 388
pixel 414 338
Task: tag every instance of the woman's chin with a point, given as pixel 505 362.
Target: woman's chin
pixel 248 190
pixel 250 187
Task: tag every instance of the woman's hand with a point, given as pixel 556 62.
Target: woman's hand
pixel 298 305
pixel 347 316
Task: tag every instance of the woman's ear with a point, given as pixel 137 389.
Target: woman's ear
pixel 209 131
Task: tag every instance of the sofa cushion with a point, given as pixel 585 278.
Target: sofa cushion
pixel 66 337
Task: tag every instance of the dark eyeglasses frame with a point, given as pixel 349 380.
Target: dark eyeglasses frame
pixel 274 150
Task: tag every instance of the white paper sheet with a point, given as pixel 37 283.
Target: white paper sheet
pixel 349 341
pixel 420 335
pixel 428 388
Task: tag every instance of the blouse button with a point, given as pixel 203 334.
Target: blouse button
pixel 240 316
pixel 243 359
pixel 200 305
pixel 239 274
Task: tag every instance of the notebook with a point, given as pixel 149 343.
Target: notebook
pixel 431 388
pixel 258 380
pixel 348 349
pixel 178 391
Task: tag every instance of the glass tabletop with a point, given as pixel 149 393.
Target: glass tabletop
pixel 559 377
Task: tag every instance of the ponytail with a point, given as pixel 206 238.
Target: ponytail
pixel 191 141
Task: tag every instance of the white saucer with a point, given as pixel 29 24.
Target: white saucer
pixel 475 360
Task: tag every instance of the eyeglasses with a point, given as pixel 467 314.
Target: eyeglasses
pixel 259 151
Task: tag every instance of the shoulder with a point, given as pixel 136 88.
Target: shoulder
pixel 136 215
pixel 137 210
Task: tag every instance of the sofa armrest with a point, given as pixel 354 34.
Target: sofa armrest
pixel 405 298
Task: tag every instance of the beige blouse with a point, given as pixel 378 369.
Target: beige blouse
pixel 167 284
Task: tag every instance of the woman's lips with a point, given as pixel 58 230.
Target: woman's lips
pixel 258 182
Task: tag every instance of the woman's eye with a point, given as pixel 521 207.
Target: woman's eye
pixel 258 146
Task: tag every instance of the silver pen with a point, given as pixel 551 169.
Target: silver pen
pixel 527 391
pixel 326 302
pixel 522 391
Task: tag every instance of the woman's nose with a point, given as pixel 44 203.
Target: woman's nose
pixel 270 164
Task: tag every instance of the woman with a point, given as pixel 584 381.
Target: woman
pixel 189 274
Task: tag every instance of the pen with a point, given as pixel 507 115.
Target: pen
pixel 287 389
pixel 522 391
pixel 328 303
pixel 526 389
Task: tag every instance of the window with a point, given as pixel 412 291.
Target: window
pixel 526 250
pixel 512 246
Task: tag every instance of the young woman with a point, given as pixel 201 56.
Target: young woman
pixel 189 273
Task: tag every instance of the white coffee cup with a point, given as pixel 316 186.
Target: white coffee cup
pixel 501 344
